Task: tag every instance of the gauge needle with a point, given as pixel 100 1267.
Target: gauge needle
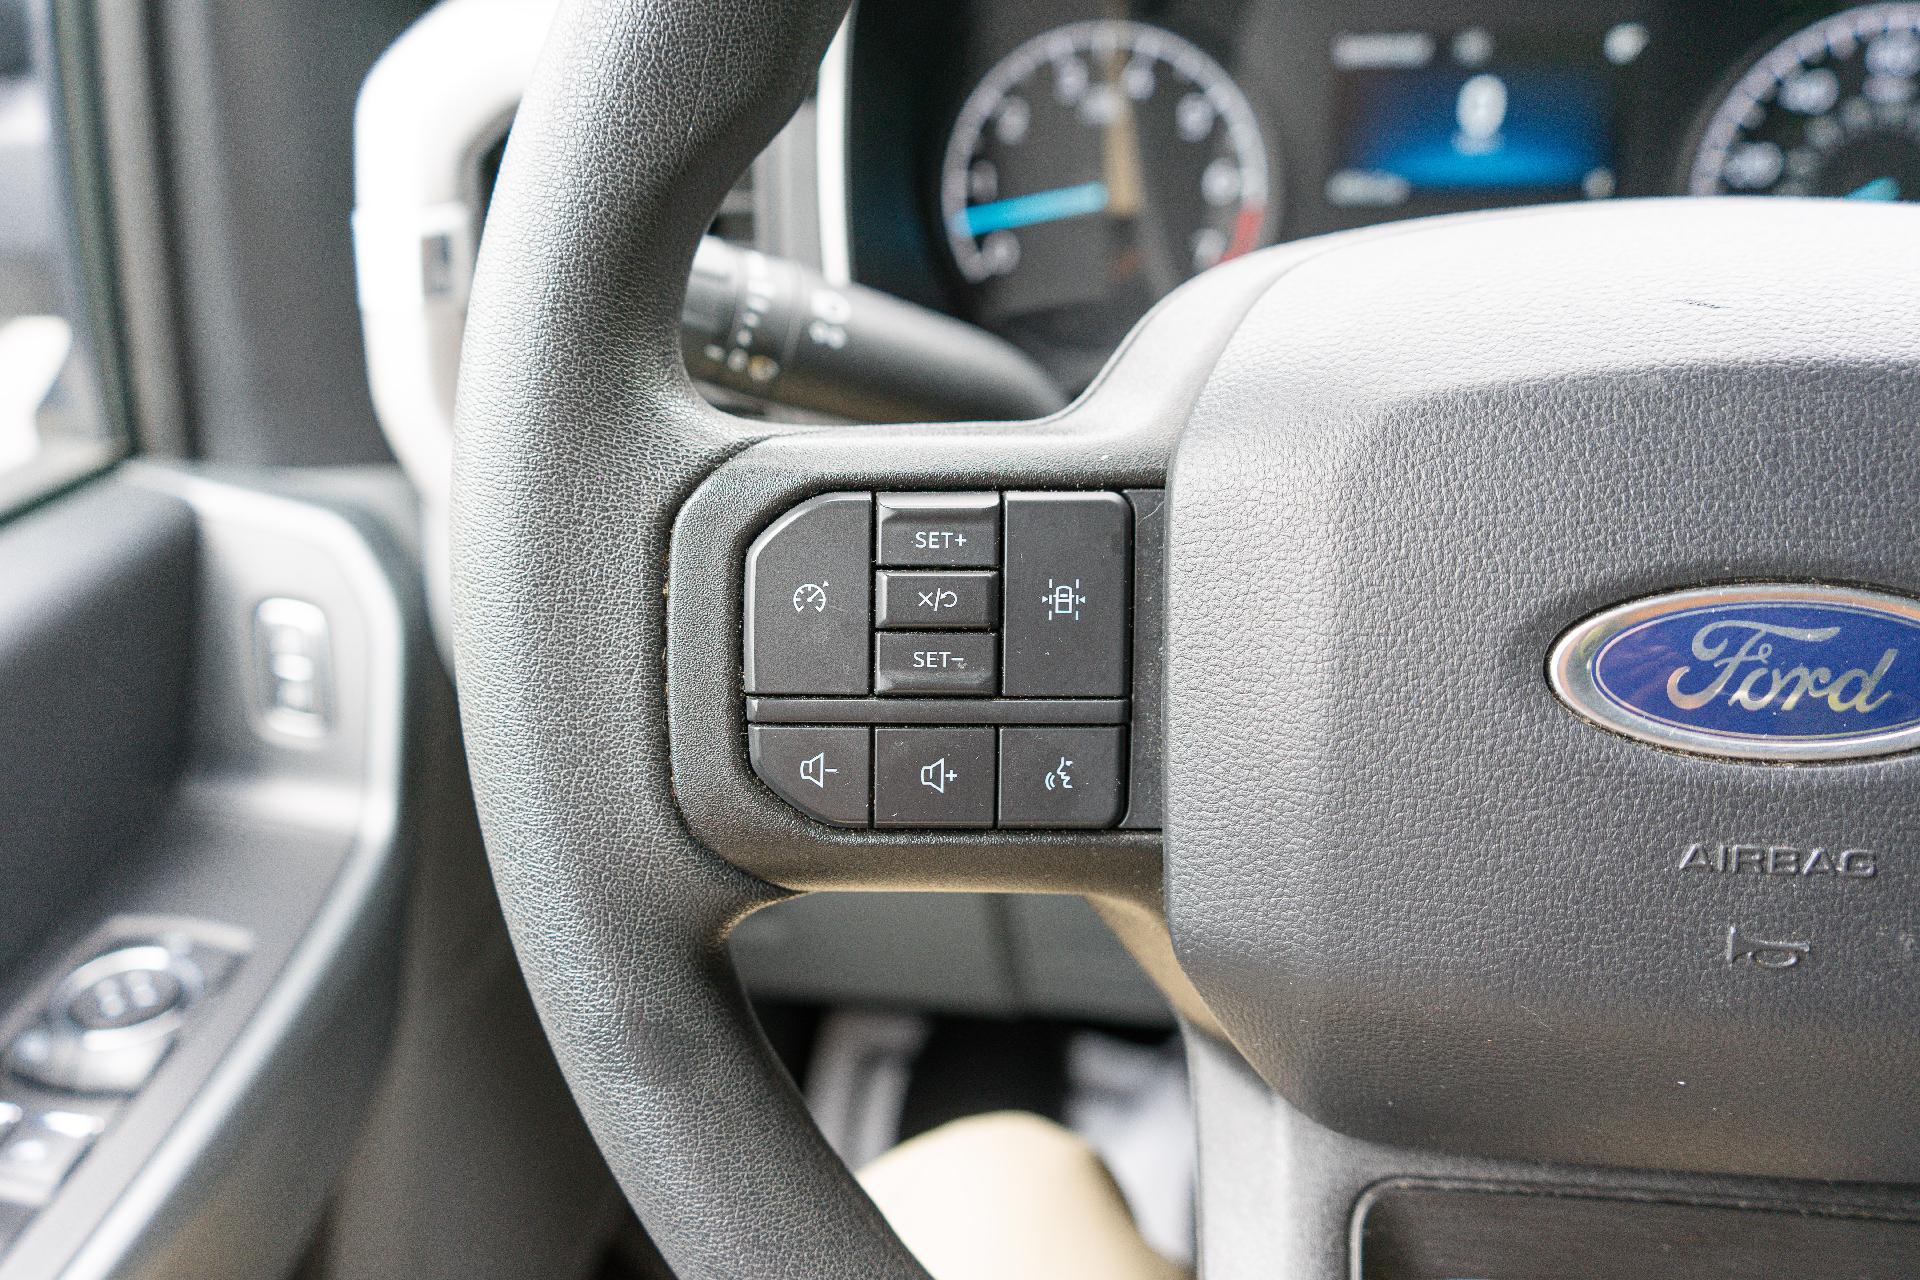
pixel 1120 151
pixel 1878 189
pixel 1035 207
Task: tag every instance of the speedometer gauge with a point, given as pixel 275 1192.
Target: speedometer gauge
pixel 1832 111
pixel 1094 168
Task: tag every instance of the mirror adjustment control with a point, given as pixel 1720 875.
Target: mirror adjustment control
pixel 809 599
pixel 902 598
pixel 825 772
pixel 1061 777
pixel 938 662
pixel 1064 595
pixel 939 530
pixel 933 777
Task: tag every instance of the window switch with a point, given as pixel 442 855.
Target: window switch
pixel 41 1151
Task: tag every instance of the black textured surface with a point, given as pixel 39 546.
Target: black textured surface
pixel 578 437
pixel 1433 908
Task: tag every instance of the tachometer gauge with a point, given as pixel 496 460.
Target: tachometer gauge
pixel 1832 111
pixel 1094 168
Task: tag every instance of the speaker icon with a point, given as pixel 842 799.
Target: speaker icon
pixel 815 769
pixel 935 777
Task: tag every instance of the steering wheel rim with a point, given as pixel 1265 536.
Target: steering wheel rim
pixel 638 117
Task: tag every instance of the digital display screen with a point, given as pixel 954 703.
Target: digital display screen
pixel 1477 114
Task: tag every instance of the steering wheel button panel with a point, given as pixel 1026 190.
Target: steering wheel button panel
pixel 963 662
pixel 1065 602
pixel 1055 672
pixel 935 599
pixel 825 772
pixel 809 599
pixel 1061 777
pixel 940 530
pixel 933 777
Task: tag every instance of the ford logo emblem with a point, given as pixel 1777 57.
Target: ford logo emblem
pixel 1769 672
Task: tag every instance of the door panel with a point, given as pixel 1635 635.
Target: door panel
pixel 193 772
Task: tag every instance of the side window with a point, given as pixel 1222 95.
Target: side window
pixel 52 426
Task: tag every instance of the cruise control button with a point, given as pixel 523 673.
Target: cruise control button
pixel 958 662
pixel 933 777
pixel 940 530
pixel 826 773
pixel 1064 596
pixel 1061 777
pixel 809 599
pixel 908 599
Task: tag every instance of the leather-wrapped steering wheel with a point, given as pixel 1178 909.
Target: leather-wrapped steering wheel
pixel 1426 924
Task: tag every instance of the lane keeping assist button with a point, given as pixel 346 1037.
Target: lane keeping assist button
pixel 826 773
pixel 949 662
pixel 1064 596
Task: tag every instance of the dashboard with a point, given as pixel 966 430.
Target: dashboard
pixel 1050 168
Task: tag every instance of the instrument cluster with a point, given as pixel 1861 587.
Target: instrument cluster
pixel 1051 168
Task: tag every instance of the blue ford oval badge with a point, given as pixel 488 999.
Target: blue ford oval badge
pixel 1771 671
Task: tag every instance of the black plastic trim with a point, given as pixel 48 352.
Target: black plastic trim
pixel 936 711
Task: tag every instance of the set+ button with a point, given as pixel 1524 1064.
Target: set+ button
pixel 939 530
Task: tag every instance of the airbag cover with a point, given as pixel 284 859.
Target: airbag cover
pixel 1432 905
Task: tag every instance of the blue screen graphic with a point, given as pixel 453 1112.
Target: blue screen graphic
pixel 1452 130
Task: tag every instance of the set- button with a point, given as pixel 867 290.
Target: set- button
pixel 952 663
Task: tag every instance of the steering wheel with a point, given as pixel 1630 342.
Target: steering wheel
pixel 1433 923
